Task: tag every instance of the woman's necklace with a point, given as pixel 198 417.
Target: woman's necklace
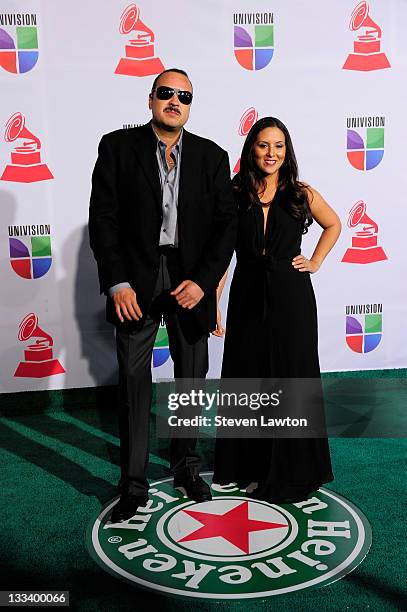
pixel 269 201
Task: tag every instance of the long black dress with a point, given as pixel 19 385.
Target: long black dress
pixel 271 333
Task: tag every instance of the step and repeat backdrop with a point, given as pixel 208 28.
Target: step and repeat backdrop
pixel 334 73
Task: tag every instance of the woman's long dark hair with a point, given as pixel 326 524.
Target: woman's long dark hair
pixel 250 180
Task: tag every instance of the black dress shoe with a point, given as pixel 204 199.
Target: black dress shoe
pixel 194 487
pixel 127 506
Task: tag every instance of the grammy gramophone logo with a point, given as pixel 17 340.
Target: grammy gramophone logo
pixel 364 247
pixel 247 120
pixel 38 360
pixel 140 57
pixel 367 54
pixel 26 165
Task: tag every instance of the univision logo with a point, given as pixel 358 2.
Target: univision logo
pixel 364 331
pixel 253 45
pixel 129 126
pixel 161 351
pixel 19 42
pixel 365 146
pixel 30 253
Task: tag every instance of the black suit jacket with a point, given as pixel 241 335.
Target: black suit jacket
pixel 125 218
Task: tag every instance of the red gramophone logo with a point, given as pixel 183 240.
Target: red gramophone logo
pixel 247 120
pixel 26 165
pixel 139 60
pixel 364 247
pixel 38 358
pixel 366 48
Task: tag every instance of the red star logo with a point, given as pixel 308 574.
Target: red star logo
pixel 233 526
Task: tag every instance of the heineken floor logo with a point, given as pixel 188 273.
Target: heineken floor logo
pixel 231 547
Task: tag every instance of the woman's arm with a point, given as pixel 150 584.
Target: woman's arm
pixel 221 286
pixel 327 218
pixel 219 330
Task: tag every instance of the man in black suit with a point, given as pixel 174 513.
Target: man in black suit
pixel 162 226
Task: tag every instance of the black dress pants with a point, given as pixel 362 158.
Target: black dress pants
pixel 134 352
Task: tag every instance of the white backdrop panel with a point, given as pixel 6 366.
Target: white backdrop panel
pixel 72 96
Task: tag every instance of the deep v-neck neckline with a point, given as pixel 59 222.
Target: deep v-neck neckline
pixel 266 222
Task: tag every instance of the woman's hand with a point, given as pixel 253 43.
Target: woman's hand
pixel 219 330
pixel 302 264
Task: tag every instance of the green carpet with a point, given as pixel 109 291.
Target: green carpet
pixel 59 464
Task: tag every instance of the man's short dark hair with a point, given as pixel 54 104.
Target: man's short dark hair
pixel 178 70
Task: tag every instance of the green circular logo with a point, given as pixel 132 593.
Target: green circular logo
pixel 231 547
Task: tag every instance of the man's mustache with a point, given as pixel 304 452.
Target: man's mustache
pixel 172 108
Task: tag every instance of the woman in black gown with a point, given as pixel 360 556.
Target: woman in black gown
pixel 272 317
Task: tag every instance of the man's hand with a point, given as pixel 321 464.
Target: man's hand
pixel 125 303
pixel 188 294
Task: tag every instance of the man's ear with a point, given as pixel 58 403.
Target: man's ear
pixel 150 100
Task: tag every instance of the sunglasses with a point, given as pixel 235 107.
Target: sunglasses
pixel 166 93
